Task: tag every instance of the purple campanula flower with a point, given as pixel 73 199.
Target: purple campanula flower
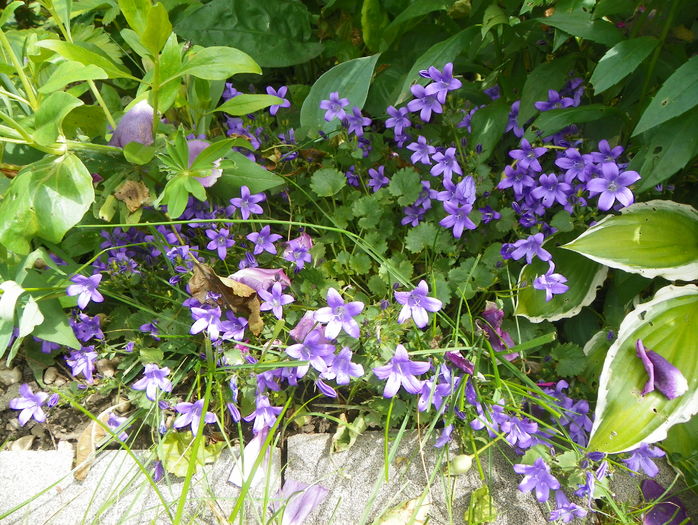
pixel 296 500
pixel 606 155
pixel 493 92
pixel 538 477
pixel 281 93
pixel 246 203
pixel 668 511
pixel 489 214
pixel 303 327
pixel 446 163
pixel 421 150
pixel 443 82
pixel 190 415
pixel 229 91
pixel 86 327
pixel 641 460
pixel 342 369
pixel 151 329
pixel 248 261
pixel 326 389
pixel 82 362
pixel 424 102
pixel 86 289
pixel 261 278
pixel 355 122
pixel 444 437
pixel 401 371
pixel 339 315
pixel 206 318
pixel 398 120
pixel 416 304
pixel 565 510
pixel 264 414
pixel 220 241
pixel 457 218
pixel 314 349
pixel 530 247
pixel 334 107
pixel 527 156
pixel 377 178
pixel 612 185
pixel 413 215
pixel 555 101
pixel 154 379
pixel 47 346
pixel 135 126
pixel 433 393
pixel 518 432
pixel 462 194
pixel 30 404
pixel 513 123
pixel 297 250
pixel 552 283
pixel 662 375
pixel 275 300
pixel 551 190
pixel 499 339
pixel 114 422
pixel 518 179
pixel 264 240
pixel 576 165
pixel 352 177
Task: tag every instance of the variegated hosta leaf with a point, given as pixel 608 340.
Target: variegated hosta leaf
pixel 584 277
pixel 655 239
pixel 624 418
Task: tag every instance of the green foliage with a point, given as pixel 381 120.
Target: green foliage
pixel 327 182
pixel 405 185
pixel 569 359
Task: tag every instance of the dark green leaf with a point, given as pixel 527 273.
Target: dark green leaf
pixel 550 75
pixel 488 125
pixel 406 185
pixel 494 16
pixel 244 104
pixel 137 153
pixel 326 182
pixel 676 96
pixel 85 120
pixel 68 72
pixel 578 23
pixel 85 57
pixel 550 122
pixel 373 22
pixel 420 237
pixel 50 115
pixel 411 11
pixel 621 60
pixel 570 359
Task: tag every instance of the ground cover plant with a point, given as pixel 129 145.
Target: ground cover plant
pixel 471 218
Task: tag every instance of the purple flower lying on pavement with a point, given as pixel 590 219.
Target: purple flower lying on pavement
pixel 154 379
pixel 552 283
pixel 135 126
pixel 565 510
pixel 30 404
pixel 538 477
pixel 401 371
pixel 86 289
pixel 339 315
pixel 444 437
pixel 668 511
pixel 275 300
pixel 641 460
pixel 416 304
pixel 663 376
pixel 613 186
pixel 296 500
pixel 334 107
pixel 281 93
pixel 190 415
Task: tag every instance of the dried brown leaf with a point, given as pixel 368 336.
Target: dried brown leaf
pixel 87 445
pixel 134 194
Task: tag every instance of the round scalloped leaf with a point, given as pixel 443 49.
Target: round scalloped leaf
pixel 654 239
pixel 624 418
pixel 584 277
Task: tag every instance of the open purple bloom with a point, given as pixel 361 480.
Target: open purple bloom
pixel 444 437
pixel 538 477
pixel 82 362
pixel 398 119
pixel 377 178
pixel 342 369
pixel 298 250
pixel 339 315
pixel 264 240
pixel 190 415
pixel 206 318
pixel 86 327
pixel 86 289
pixel 135 126
pixel 246 203
pixel 518 432
pixel 424 102
pixel 30 404
pixel 527 156
pixel 552 283
pixel 612 186
pixel 275 300
pixel 261 278
pixel 264 414
pixel 641 460
pixel 446 163
pixel 461 194
pixel 220 241
pixel 115 422
pixel 281 93
pixel 443 82
pixel 355 122
pixel 334 107
pixel 314 349
pixel 416 304
pixel 513 123
pixel 233 327
pixel 555 101
pixel 517 178
pixel 663 376
pixel 296 500
pixel 577 165
pixel 154 379
pixel 421 150
pixel 550 190
pixel 151 329
pixel 401 371
pixel 606 155
pixel 457 218
pixel 565 510
pixel 668 511
pixel 530 247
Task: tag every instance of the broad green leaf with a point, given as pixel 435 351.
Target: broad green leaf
pixel 373 21
pixel 157 29
pixel 326 182
pixel 655 239
pixel 621 60
pixel 136 13
pixel 245 104
pixel 218 63
pixel 55 327
pixel 584 277
pixel 350 79
pixel 488 126
pixel 245 173
pixel 137 153
pixel 175 196
pixel 50 115
pixel 406 185
pixel 85 57
pixel 45 200
pixel 29 318
pixel 676 96
pixel 68 72
pixel 410 12
pixel 420 237
pixel 579 24
pixel 550 122
pixel 85 120
pixel 8 11
pixel 624 418
pixel 549 75
pixel 134 42
pixel 276 32
pixel 494 16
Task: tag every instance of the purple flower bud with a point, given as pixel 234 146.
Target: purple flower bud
pixel 135 126
pixel 195 147
pixel 663 376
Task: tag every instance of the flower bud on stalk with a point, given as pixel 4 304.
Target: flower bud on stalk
pixel 135 126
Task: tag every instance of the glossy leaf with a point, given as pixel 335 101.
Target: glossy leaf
pixel 49 117
pixel 45 200
pixel 136 13
pixel 218 63
pixel 494 16
pixel 676 96
pixel 621 60
pixel 85 57
pixel 350 79
pixel 624 418
pixel 550 122
pixel 373 22
pixel 244 104
pixel 276 32
pixel 579 24
pixel 654 239
pixel 326 182
pixel 55 327
pixel 584 277
pixel 245 173
pixel 8 11
pixel 68 72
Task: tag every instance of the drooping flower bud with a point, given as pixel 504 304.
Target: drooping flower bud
pixel 261 278
pixel 663 376
pixel 135 126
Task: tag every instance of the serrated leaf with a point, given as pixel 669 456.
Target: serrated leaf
pixel 570 358
pixel 405 185
pixel 326 182
pixel 420 237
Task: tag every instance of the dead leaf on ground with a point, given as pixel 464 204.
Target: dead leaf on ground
pixel 239 297
pixel 87 445
pixel 134 194
pixel 409 510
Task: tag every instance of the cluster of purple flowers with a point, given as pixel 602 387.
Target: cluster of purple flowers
pixel 353 120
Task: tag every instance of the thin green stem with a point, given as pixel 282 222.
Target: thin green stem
pixel 28 88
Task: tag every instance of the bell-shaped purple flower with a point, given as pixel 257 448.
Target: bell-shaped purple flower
pixel 30 404
pixel 154 379
pixel 339 315
pixel 296 500
pixel 401 371
pixel 86 289
pixel 663 376
pixel 416 304
pixel 190 415
pixel 668 511
pixel 538 477
pixel 135 126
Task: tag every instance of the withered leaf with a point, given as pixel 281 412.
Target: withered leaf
pixel 134 194
pixel 235 295
pixel 87 444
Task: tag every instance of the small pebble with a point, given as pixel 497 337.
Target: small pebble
pixel 23 443
pixel 50 375
pixel 13 424
pixel 10 377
